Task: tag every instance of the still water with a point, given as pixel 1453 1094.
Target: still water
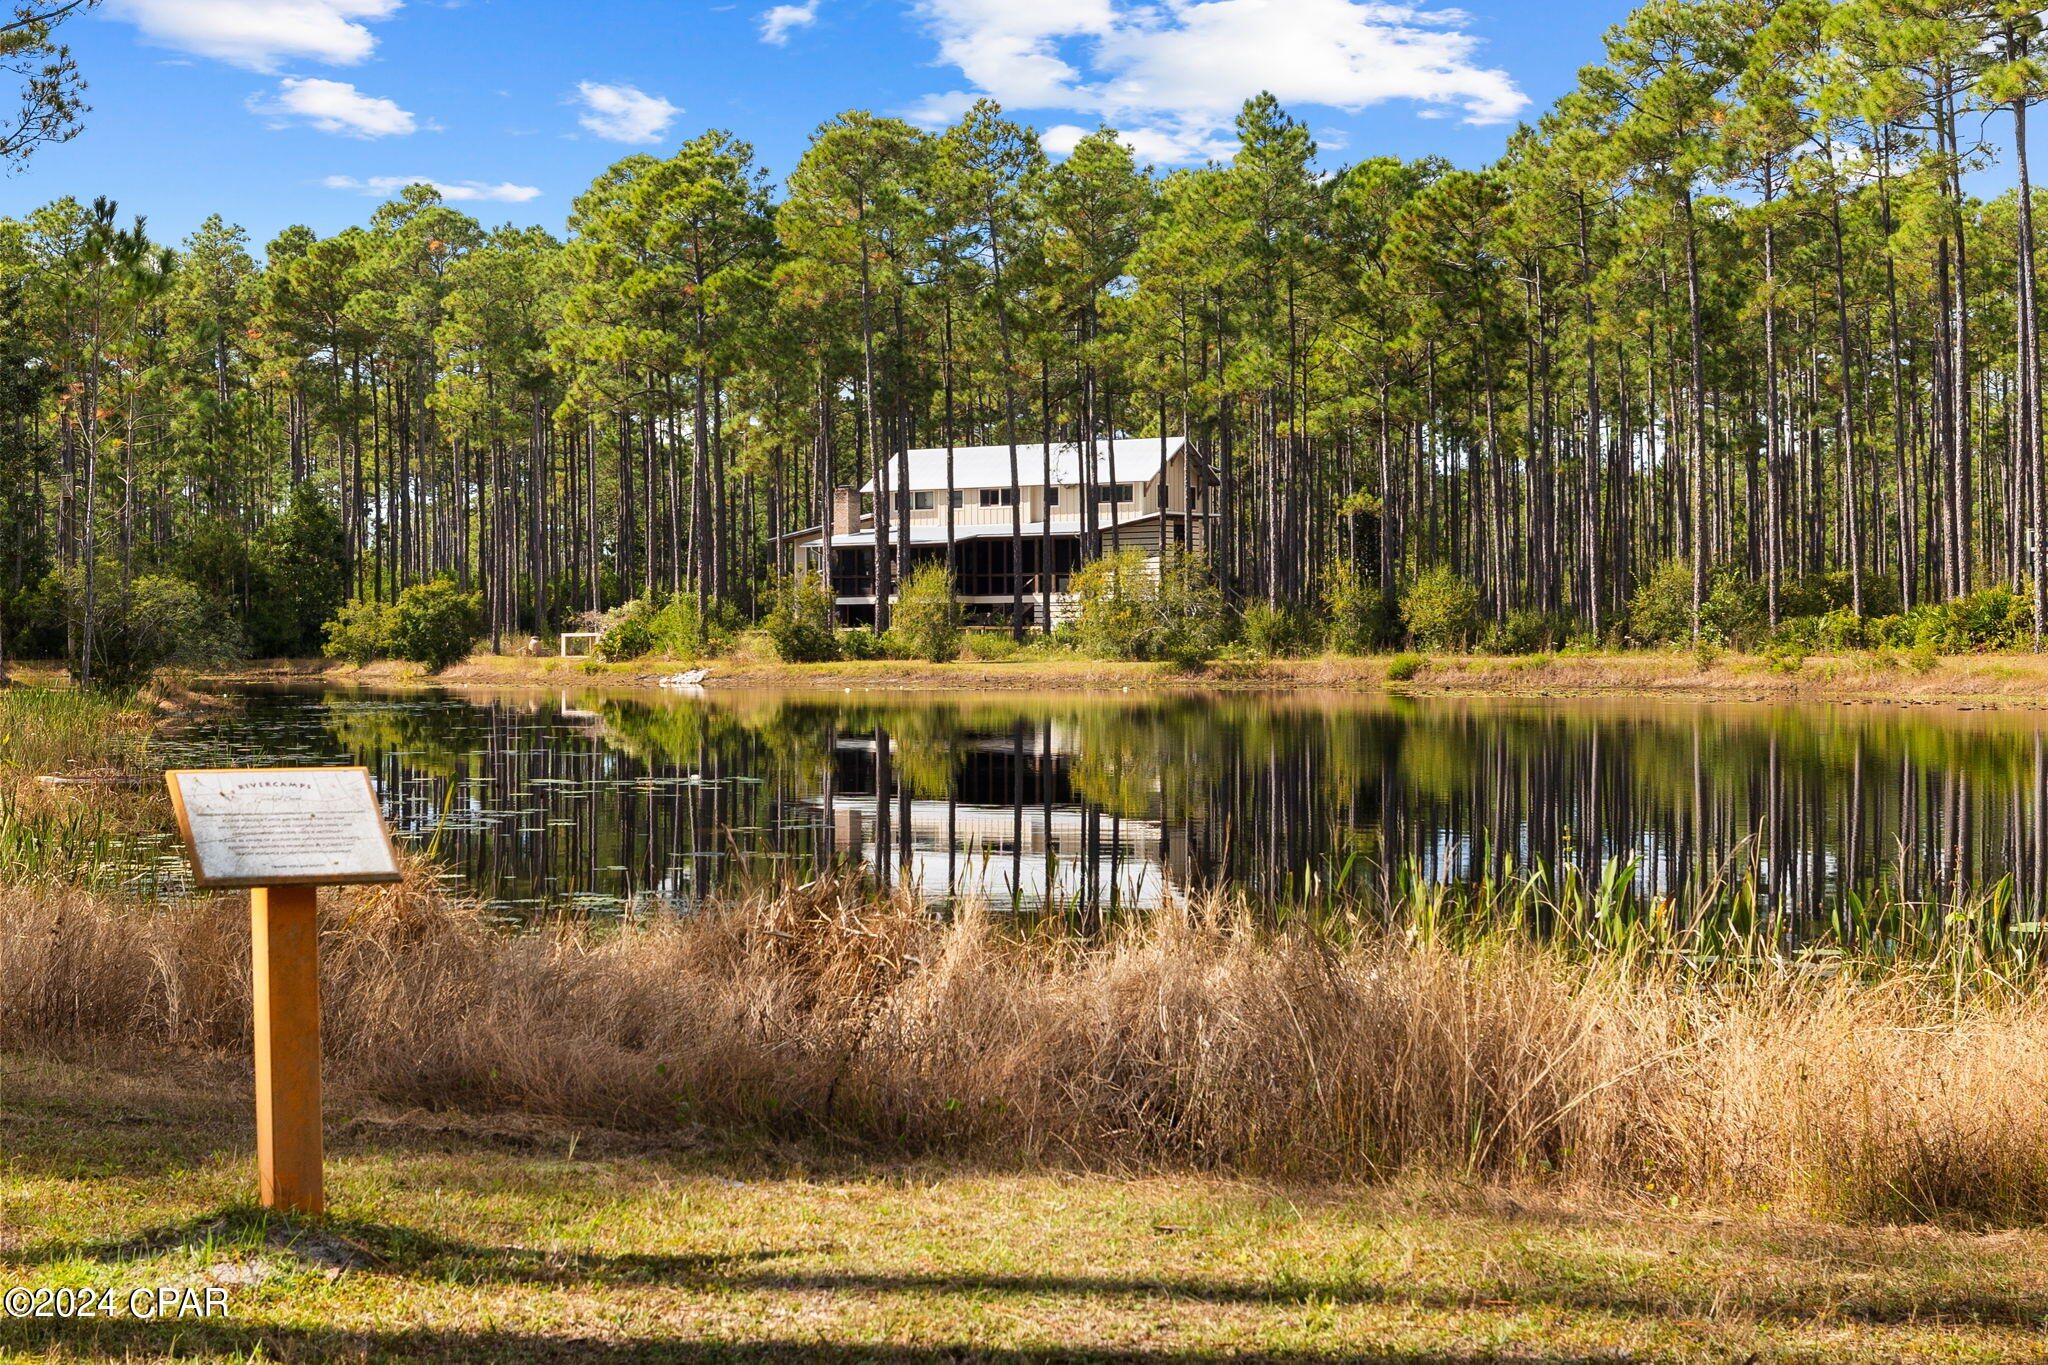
pixel 542 801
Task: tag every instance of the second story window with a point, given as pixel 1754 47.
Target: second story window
pixel 959 499
pixel 1052 497
pixel 1113 492
pixel 920 502
pixel 998 497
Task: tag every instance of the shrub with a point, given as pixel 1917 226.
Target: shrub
pixel 1118 596
pixel 361 632
pixel 860 642
pixel 1841 628
pixel 1527 631
pixel 1270 630
pixel 1135 607
pixel 679 631
pixel 1784 658
pixel 436 624
pixel 627 639
pixel 147 623
pixel 1360 617
pixel 1733 612
pixel 1440 609
pixel 928 620
pixel 1402 667
pixel 799 620
pixel 1660 609
pixel 1736 610
pixel 992 646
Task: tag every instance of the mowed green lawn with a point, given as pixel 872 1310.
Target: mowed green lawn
pixel 458 1239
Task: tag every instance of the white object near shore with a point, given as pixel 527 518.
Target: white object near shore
pixel 689 677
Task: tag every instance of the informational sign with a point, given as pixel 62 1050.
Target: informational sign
pixel 282 826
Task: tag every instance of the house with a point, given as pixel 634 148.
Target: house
pixel 1139 486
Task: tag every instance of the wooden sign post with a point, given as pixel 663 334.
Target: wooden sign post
pixel 284 833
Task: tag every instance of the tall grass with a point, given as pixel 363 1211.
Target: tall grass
pixel 71 834
pixel 52 730
pixel 1879 1088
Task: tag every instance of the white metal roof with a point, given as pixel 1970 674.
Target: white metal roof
pixel 1137 459
pixel 922 533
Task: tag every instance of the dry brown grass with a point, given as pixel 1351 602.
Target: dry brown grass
pixel 829 1014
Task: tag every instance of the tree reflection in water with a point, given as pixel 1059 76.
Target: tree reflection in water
pixel 543 801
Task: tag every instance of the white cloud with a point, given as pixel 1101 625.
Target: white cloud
pixel 454 191
pixel 259 34
pixel 624 113
pixel 777 22
pixel 334 107
pixel 1172 74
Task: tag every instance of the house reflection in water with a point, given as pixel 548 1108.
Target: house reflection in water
pixel 1008 828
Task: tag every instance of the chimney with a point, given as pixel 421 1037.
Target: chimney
pixel 845 511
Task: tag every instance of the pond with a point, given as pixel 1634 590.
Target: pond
pixel 540 801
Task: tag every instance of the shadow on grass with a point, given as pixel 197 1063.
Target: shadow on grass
pixel 1564 1283
pixel 122 1340
pixel 384 1248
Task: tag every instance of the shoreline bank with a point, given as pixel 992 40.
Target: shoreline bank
pixel 2001 680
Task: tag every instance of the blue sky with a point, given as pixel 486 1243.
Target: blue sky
pixel 274 112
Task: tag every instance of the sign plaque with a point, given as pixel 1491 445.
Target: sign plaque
pixel 282 826
pixel 283 833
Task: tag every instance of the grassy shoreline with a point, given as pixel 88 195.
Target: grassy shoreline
pixel 1967 680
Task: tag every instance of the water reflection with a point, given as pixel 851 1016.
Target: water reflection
pixel 540 800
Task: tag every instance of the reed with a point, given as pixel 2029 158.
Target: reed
pixel 84 829
pixel 1884 1087
pixel 57 730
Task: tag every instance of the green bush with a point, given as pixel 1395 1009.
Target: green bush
pixel 361 632
pixel 799 620
pixel 1360 617
pixel 1784 658
pixel 150 622
pixel 1440 610
pixel 1993 618
pixel 1135 607
pixel 436 624
pixel 1527 631
pixel 1276 631
pixel 993 646
pixel 1732 613
pixel 928 620
pixel 1117 596
pixel 627 639
pixel 678 631
pixel 1402 667
pixel 860 642
pixel 1736 610
pixel 1840 629
pixel 1190 620
pixel 1660 609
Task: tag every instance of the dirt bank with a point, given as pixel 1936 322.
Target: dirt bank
pixel 2006 680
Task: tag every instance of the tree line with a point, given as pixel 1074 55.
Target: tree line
pixel 1726 318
